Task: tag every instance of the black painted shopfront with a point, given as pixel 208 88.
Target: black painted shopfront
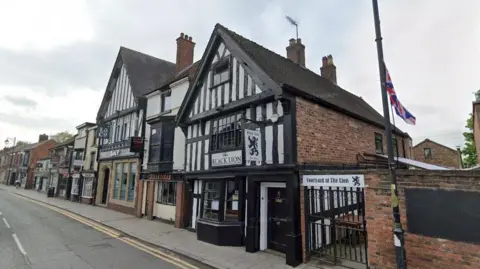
pixel 240 154
pixel 231 210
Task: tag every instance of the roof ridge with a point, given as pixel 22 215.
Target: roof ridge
pixel 145 54
pixel 291 62
pixel 435 142
pixel 334 88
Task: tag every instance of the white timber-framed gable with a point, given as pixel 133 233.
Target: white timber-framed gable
pixel 227 87
pixel 122 96
pixel 119 113
pixel 246 82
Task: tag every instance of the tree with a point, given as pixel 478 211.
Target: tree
pixel 62 136
pixel 469 151
pixel 21 143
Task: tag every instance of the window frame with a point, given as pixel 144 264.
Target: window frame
pixel 378 138
pixel 227 60
pixel 87 181
pixel 163 135
pixel 425 155
pixel 395 147
pixel 223 199
pixel 159 199
pixel 215 133
pixel 163 97
pixel 128 191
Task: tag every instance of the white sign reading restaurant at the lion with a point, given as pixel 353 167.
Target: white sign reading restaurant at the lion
pixel 334 181
pixel 227 158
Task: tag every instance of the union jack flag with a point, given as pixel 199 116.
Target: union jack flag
pixel 401 111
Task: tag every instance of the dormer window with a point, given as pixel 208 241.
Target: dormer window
pixel 221 72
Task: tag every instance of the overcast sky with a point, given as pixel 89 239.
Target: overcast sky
pixel 56 56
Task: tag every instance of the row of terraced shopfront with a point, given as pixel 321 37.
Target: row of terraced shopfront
pixel 217 146
pixel 244 148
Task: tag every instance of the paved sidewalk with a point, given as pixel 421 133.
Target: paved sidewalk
pixel 167 236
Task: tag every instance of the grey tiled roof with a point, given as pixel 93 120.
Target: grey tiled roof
pixel 145 72
pixel 287 73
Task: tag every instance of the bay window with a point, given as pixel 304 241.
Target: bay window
pixel 161 142
pixel 221 200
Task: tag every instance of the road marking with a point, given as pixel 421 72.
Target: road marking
pixel 134 243
pixel 19 245
pixel 6 223
pixel 0 213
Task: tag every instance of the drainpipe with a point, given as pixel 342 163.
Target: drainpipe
pixel 459 151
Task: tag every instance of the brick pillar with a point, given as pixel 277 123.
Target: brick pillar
pixel 180 207
pixel 140 186
pixel 150 199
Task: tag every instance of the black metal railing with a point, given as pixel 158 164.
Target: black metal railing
pixel 336 224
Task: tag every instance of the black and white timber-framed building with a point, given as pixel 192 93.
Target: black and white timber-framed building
pixel 121 120
pixel 233 176
pixel 242 134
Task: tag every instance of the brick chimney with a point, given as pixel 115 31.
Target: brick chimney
pixel 296 51
pixel 328 69
pixel 42 137
pixel 185 48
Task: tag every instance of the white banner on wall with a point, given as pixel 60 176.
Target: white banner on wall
pixel 227 158
pixel 334 181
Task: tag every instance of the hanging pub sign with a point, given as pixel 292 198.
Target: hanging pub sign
pixel 334 181
pixel 253 148
pixel 103 131
pixel 136 144
pixel 228 158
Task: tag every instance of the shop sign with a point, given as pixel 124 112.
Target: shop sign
pixel 88 175
pixel 228 158
pixel 356 181
pixel 103 131
pixel 253 146
pixel 136 144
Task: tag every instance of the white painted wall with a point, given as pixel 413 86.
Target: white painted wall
pixel 178 92
pixel 179 150
pixel 153 104
pixel 166 212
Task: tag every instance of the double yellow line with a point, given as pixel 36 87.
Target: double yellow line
pixel 134 243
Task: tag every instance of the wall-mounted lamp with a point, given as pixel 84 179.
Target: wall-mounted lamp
pixel 273 119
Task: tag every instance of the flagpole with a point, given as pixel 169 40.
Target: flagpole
pixel 394 127
pixel 398 233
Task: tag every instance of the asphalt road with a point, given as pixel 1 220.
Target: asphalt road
pixel 50 240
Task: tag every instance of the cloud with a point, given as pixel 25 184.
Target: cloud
pixel 21 101
pixel 64 62
pixel 34 123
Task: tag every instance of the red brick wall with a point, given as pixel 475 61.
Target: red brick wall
pixel 41 151
pixel 441 155
pixel 327 136
pixel 422 251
